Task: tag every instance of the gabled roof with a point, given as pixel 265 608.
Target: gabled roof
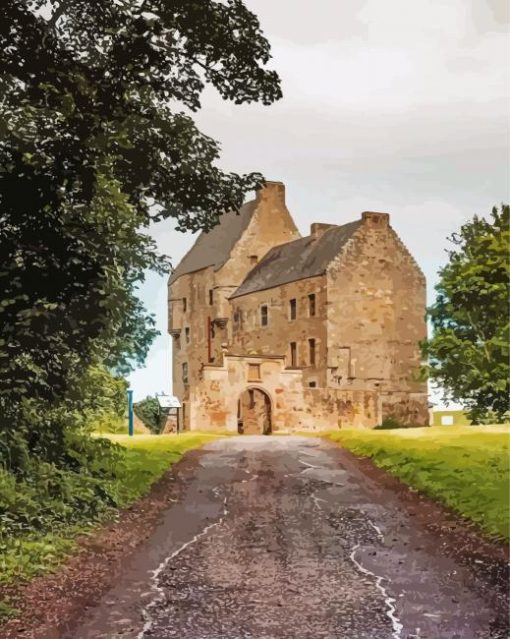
pixel 306 257
pixel 213 248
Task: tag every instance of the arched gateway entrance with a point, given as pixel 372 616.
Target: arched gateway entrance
pixel 254 413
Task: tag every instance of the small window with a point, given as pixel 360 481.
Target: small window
pixel 254 373
pixel 184 304
pixel 254 259
pixel 293 354
pixel 263 316
pixel 185 372
pixel 292 309
pixel 311 351
pixel 211 297
pixel 187 334
pixel 312 384
pixel 311 305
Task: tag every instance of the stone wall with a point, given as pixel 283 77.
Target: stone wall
pixel 332 409
pixel 215 399
pixel 410 409
pixel 376 317
pixel 250 337
pixel 170 425
pixel 200 327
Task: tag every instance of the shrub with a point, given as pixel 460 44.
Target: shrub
pixel 388 423
pixel 148 411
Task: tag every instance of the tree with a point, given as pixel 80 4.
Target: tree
pixel 54 431
pixel 469 351
pixel 95 144
pixel 149 412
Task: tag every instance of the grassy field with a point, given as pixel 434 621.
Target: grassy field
pixel 465 467
pixel 149 456
pixel 44 546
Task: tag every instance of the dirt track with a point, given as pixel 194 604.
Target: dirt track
pixel 288 538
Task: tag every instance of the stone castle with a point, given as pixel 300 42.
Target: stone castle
pixel 273 331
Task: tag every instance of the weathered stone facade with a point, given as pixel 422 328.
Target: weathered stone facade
pixel 272 331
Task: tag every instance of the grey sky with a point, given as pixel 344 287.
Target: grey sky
pixel 390 106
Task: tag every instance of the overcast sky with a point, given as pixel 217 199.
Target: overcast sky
pixel 392 106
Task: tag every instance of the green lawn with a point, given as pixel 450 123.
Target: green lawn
pixel 43 546
pixel 149 456
pixel 465 467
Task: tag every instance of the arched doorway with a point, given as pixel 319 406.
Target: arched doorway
pixel 254 413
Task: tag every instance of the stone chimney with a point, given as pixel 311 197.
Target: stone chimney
pixel 273 192
pixel 375 220
pixel 317 229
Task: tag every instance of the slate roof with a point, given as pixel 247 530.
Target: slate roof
pixel 297 260
pixel 213 248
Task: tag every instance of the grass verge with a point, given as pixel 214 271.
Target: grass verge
pixel 148 457
pixel 466 467
pixel 143 460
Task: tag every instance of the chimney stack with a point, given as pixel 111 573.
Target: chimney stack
pixel 317 229
pixel 272 191
pixel 375 220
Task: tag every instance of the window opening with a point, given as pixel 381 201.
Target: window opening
pixel 293 309
pixel 293 354
pixel 311 304
pixel 311 351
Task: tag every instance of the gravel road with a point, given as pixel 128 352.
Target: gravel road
pixel 285 538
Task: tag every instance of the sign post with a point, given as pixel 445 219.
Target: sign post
pixel 169 408
pixel 130 413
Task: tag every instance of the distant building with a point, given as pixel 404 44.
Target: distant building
pixel 274 331
pixel 452 417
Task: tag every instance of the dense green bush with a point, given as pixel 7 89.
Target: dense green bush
pixel 45 497
pixel 149 412
pixel 388 423
pixel 52 473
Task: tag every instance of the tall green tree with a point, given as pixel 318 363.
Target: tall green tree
pixel 96 142
pixel 469 350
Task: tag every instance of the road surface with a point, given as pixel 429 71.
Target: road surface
pixel 285 538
